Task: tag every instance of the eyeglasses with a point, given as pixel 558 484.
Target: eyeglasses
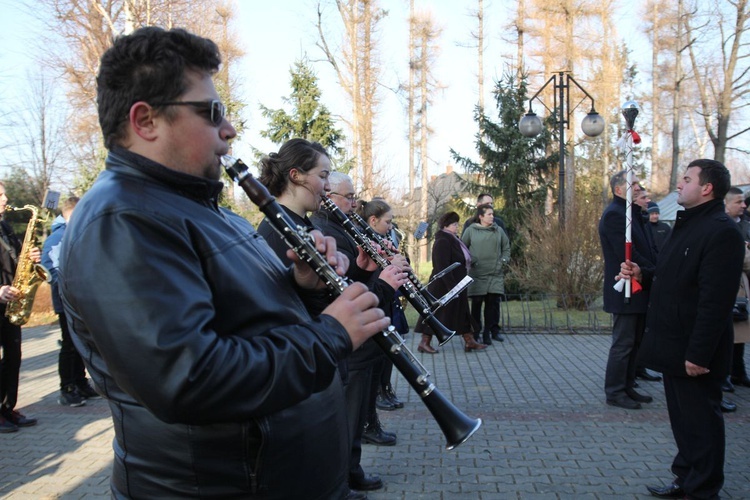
pixel 350 197
pixel 215 109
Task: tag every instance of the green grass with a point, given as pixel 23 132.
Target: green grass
pixel 542 315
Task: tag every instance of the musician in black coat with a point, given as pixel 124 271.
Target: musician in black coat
pixel 362 363
pixel 689 326
pixel 628 319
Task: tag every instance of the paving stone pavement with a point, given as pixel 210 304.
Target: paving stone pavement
pixel 546 432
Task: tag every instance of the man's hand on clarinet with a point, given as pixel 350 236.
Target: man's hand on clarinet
pixel 356 309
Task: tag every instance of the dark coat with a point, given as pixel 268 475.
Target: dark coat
pixel 8 255
pixel 612 238
pixel 692 293
pixel 659 233
pixel 455 315
pixel 329 226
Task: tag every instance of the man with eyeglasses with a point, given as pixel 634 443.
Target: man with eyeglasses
pixel 219 381
pixel 360 405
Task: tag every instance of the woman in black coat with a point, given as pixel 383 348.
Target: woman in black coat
pixel 446 250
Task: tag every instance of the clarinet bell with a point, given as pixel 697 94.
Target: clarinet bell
pixel 438 329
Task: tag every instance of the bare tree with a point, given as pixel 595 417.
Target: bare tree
pixel 723 82
pixel 80 31
pixel 357 67
pixel 412 215
pixel 39 137
pixel 427 35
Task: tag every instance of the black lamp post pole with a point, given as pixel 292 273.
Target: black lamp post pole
pixel 561 86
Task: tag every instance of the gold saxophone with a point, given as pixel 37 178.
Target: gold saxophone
pixel 29 274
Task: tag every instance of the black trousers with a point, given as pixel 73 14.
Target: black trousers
pixel 69 363
pixel 698 428
pixel 627 333
pixel 10 362
pixel 491 318
pixel 357 394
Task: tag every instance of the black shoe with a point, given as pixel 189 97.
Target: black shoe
pixel 377 436
pixel 391 396
pixel 18 418
pixel 85 390
pixel 727 386
pixel 498 337
pixel 382 403
pixel 486 339
pixel 69 396
pixel 646 375
pixel 669 491
pixel 624 402
pixel 637 396
pixel 356 495
pixel 365 483
pixel 7 426
pixel 727 406
pixel 742 381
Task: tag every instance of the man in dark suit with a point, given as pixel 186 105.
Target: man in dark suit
pixel 628 319
pixel 688 336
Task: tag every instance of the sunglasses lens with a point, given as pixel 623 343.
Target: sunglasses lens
pixel 217 112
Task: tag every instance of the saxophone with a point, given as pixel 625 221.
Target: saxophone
pixel 29 275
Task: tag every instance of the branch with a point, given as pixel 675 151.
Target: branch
pixel 737 134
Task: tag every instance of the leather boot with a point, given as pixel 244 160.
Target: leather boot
pixel 471 344
pixel 391 395
pixel 486 339
pixel 382 402
pixel 424 346
pixel 375 434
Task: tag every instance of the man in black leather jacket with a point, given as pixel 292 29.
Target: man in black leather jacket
pixel 220 383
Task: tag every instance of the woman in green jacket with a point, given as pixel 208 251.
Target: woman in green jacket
pixel 490 253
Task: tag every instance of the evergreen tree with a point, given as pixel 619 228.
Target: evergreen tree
pixel 513 168
pixel 308 118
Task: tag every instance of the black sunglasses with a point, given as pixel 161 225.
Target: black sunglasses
pixel 216 109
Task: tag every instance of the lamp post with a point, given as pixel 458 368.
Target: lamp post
pixel 531 125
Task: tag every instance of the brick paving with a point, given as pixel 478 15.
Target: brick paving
pixel 546 432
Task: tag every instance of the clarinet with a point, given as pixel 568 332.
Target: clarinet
pixel 422 290
pixel 455 425
pixel 410 291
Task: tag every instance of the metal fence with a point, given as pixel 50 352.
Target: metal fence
pixel 554 313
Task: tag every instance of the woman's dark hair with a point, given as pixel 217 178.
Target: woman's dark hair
pixel 148 65
pixel 481 210
pixel 447 219
pixel 297 154
pixel 375 208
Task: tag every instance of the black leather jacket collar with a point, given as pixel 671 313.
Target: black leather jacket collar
pixel 198 188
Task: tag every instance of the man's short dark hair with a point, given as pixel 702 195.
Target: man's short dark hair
pixel 618 179
pixel 715 173
pixel 734 190
pixel 482 195
pixel 148 65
